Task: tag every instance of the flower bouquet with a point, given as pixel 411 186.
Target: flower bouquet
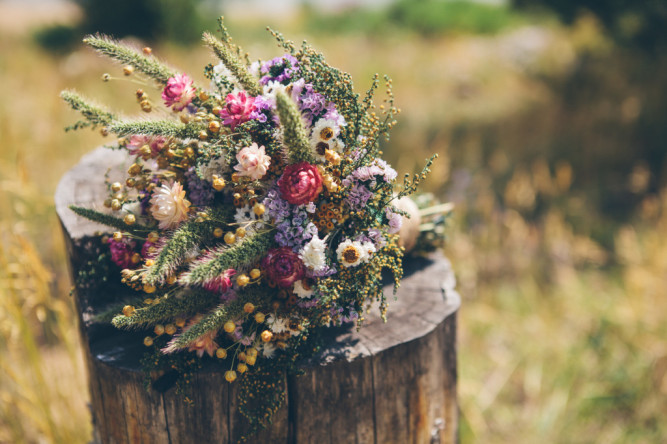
pixel 257 210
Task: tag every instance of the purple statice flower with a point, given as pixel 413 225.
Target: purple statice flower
pixel 369 173
pixel 200 192
pixel 281 69
pixel 358 196
pixel 263 109
pixel 324 272
pixel 332 114
pixel 294 228
pixel 308 303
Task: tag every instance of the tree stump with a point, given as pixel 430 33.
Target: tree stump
pixel 391 382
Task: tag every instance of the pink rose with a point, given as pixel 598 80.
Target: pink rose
pixel 179 92
pixel 301 183
pixel 238 109
pixel 253 162
pixel 220 283
pixel 283 266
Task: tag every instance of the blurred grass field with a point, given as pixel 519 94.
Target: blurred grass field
pixel 562 335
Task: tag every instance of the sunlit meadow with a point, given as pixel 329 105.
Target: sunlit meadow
pixel 561 332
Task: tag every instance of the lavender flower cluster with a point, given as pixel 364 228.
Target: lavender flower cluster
pixel 200 193
pixel 279 69
pixel 293 227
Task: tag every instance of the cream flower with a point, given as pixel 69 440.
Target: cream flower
pixel 268 350
pixel 313 254
pixel 303 290
pixel 352 253
pixel 276 324
pixel 169 205
pixel 253 162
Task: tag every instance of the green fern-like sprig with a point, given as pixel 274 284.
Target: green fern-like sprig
pixel 108 220
pixel 239 255
pixel 126 55
pixel 183 304
pixel 166 128
pixel 214 321
pixel 294 133
pixel 95 115
pixel 240 72
pixel 183 240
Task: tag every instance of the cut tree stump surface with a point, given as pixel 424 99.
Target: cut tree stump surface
pixel 391 382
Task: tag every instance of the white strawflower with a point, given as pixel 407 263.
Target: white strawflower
pixel 369 249
pixel 253 162
pixel 351 253
pixel 216 167
pixel 169 205
pixel 268 350
pixel 313 254
pixel 276 324
pixel 302 290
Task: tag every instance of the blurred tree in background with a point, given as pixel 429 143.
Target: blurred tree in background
pixel 178 21
pixel 640 23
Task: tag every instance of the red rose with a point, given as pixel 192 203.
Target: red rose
pixel 283 267
pixel 301 183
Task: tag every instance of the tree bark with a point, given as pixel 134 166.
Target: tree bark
pixel 391 382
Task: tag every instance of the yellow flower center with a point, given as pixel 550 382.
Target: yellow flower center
pixel 350 254
pixel 326 133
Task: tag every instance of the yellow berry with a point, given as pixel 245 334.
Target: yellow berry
pixel 267 336
pixel 242 280
pixel 149 262
pixel 255 273
pixel 130 219
pixel 147 50
pixel 116 187
pixel 218 232
pixel 152 237
pixel 230 375
pixel 115 205
pixel 249 307
pixel 259 317
pixel 250 360
pixel 148 341
pixel 117 236
pixel 252 351
pixel 134 169
pixel 149 288
pixel 180 322
pixel 203 135
pixel 136 258
pixel 214 126
pixel 242 368
pixel 242 356
pixel 170 329
pixel 159 329
pixel 171 280
pixel 259 209
pixel 229 326
pixel 240 232
pixel 203 96
pixel 230 238
pixel 221 353
pixel 128 310
pixel 218 183
pixel 235 177
pixel 128 70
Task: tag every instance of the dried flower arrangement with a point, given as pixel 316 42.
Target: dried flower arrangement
pixel 257 212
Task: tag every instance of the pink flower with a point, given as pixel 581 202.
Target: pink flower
pixel 283 266
pixel 169 206
pixel 253 162
pixel 301 183
pixel 203 344
pixel 179 92
pixel 222 282
pixel 137 141
pixel 238 109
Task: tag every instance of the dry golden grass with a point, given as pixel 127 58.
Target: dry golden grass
pixel 561 340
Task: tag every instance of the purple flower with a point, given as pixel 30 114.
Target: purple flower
pixel 395 221
pixel 358 196
pixel 122 252
pixel 280 69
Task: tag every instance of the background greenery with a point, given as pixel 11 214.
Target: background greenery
pixel 552 143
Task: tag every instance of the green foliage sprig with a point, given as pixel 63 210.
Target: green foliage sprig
pixel 166 128
pixel 148 65
pixel 294 134
pixel 247 81
pixel 95 115
pixel 108 220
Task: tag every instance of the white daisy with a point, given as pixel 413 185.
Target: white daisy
pixel 301 290
pixel 351 253
pixel 325 130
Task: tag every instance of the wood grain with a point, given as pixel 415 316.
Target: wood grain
pixel 391 382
